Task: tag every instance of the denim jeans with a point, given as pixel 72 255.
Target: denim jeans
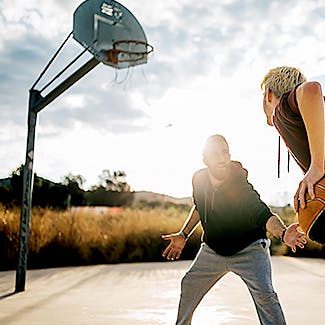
pixel 251 264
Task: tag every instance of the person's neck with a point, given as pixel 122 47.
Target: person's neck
pixel 216 182
pixel 274 103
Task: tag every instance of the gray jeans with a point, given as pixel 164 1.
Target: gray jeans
pixel 252 264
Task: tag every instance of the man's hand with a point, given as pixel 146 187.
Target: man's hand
pixel 307 186
pixel 174 249
pixel 294 237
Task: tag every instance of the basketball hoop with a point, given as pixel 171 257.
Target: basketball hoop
pixel 128 51
pixel 111 33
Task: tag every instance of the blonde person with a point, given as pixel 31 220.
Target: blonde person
pixel 296 108
pixel 235 222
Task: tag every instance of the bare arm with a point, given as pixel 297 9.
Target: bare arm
pixel 191 222
pixel 290 235
pixel 178 240
pixel 311 106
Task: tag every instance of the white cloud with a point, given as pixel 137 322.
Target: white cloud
pixel 203 78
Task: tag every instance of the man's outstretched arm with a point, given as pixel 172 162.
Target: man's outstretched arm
pixel 311 106
pixel 290 235
pixel 178 240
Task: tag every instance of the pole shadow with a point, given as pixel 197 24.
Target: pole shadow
pixel 7 295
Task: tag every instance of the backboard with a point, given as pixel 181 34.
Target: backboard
pixel 111 33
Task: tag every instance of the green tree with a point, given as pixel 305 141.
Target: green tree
pixel 74 184
pixel 115 181
pixel 77 180
pixel 111 190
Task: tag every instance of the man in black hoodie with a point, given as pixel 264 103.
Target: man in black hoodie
pixel 235 221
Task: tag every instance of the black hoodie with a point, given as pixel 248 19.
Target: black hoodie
pixel 233 216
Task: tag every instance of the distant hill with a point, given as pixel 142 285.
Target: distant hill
pixel 157 197
pixel 148 196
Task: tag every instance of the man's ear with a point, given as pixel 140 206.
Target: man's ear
pixel 205 161
pixel 268 95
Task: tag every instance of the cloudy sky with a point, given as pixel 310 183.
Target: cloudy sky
pixel 151 121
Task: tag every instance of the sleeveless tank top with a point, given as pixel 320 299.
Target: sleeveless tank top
pixel 290 125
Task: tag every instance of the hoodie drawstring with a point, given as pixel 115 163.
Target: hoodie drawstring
pixel 279 158
pixel 205 204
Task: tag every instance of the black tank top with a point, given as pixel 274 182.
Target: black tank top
pixel 290 125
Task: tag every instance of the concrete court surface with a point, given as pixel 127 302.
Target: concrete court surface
pixel 147 294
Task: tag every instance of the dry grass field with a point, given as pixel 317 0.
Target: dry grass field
pixel 90 236
pixel 79 237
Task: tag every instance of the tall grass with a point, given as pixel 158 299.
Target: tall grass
pixel 60 238
pixel 72 237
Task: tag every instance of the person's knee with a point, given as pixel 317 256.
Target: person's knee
pixel 186 280
pixel 267 297
pixel 193 282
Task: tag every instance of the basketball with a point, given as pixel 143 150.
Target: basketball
pixel 312 217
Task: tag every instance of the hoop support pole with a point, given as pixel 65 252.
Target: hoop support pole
pixel 35 105
pixel 27 195
pixel 63 86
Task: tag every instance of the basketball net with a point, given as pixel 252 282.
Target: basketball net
pixel 128 51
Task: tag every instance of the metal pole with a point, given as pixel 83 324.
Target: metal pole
pixel 62 87
pixel 34 96
pixel 36 104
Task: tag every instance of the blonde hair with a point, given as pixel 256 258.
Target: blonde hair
pixel 282 79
